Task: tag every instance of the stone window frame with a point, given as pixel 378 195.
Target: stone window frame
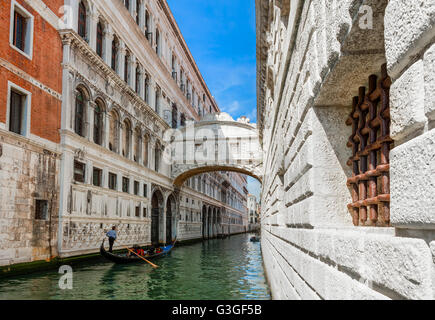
pixel 47 209
pixel 28 52
pixel 27 105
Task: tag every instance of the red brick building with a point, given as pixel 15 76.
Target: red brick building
pixel 30 117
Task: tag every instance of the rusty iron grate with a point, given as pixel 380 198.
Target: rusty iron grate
pixel 371 143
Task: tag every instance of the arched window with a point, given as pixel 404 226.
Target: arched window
pixel 127 67
pixel 126 139
pixel 82 20
pixel 148 33
pixel 145 150
pixel 158 42
pixel 157 100
pixel 80 113
pixel 182 120
pixel 138 79
pixel 98 123
pixel 157 158
pixel 115 46
pixel 113 131
pixel 174 116
pixel 100 30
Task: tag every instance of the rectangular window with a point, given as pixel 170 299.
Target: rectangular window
pixel 136 188
pixel 21 29
pixel 97 175
pixel 79 171
pixel 16 113
pixel 41 209
pixel 113 181
pixel 125 184
pixel 144 212
pixel 145 190
pixel 137 212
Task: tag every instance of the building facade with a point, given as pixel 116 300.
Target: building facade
pixel 253 212
pixel 30 113
pixel 345 116
pixel 106 80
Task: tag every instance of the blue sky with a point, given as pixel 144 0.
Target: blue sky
pixel 221 37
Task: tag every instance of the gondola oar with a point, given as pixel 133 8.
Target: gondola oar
pixel 152 264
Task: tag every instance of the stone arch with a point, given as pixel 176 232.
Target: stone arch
pixel 157 216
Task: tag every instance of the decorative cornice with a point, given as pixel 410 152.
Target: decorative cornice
pixel 70 36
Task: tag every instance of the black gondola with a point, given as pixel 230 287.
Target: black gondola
pixel 255 239
pixel 124 258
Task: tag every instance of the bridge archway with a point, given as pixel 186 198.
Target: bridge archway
pixel 216 143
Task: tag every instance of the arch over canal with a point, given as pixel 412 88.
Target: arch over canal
pixel 216 143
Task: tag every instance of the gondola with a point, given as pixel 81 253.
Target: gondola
pixel 255 239
pixel 123 258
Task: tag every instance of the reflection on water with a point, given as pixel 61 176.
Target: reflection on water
pixel 216 269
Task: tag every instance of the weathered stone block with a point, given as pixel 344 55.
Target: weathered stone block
pixel 407 102
pixel 412 183
pixel 409 27
pixel 429 82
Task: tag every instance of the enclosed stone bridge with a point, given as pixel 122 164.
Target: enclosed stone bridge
pixel 216 143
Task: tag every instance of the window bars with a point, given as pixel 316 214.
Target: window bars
pixel 371 143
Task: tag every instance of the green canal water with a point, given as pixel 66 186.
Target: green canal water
pixel 212 270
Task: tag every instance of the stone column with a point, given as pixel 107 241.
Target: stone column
pixel 92 31
pixel 121 58
pixel 120 142
pixel 90 117
pixel 106 129
pixel 107 45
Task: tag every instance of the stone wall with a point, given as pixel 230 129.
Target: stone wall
pixel 28 172
pixel 311 62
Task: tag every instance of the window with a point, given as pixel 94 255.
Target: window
pixel 182 120
pixel 145 190
pixel 136 188
pixel 125 185
pixel 80 113
pixel 98 124
pixel 174 116
pixel 138 79
pixel 79 171
pixel 41 209
pixel 18 113
pixel 115 46
pixel 147 89
pixel 113 181
pixel 21 30
pixel 126 140
pixel 157 100
pixel 157 158
pixel 145 149
pixel 144 212
pixel 148 33
pixel 97 175
pixel 158 42
pixel 137 141
pixel 100 39
pixel 82 20
pixel 127 4
pixel 137 212
pixel 127 68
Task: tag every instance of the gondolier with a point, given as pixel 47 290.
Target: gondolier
pixel 112 237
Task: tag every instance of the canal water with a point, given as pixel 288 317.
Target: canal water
pixel 224 269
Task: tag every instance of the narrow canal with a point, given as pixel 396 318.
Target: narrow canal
pixel 216 269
